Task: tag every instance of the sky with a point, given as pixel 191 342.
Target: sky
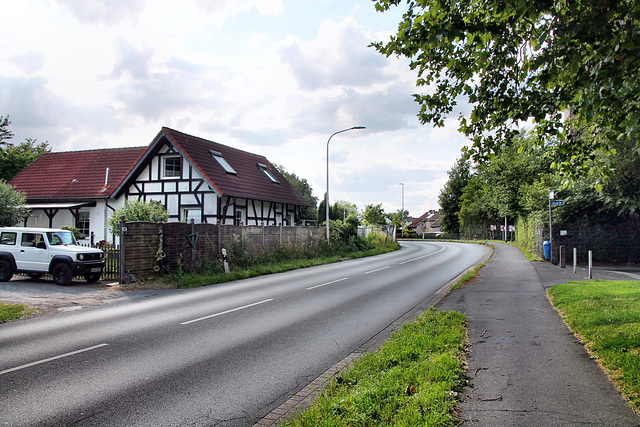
pixel 272 77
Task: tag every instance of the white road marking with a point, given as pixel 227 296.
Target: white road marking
pixel 377 269
pixel 328 283
pixel 227 311
pixel 50 359
pixel 423 256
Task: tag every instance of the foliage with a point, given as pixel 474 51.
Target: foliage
pixel 76 233
pixel 283 258
pixel 12 208
pixel 340 210
pixel 606 317
pixel 414 379
pixel 10 312
pixel 137 210
pixel 15 158
pixel 374 215
pixel 304 188
pixel 450 195
pixel 526 61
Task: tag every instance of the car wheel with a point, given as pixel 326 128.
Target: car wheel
pixel 92 277
pixel 6 272
pixel 35 276
pixel 62 274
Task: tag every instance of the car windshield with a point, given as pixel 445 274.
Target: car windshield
pixel 61 238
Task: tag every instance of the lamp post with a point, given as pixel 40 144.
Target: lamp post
pixel 326 202
pixel 402 213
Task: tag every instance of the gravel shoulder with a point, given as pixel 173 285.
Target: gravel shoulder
pixel 50 298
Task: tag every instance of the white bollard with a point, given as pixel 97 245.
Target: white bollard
pixel 575 260
pixel 590 265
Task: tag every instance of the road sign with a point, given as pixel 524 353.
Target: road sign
pixel 557 202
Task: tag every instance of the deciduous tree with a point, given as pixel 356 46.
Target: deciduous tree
pixel 526 61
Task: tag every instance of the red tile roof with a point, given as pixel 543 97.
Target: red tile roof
pixel 250 182
pixel 432 216
pixel 76 175
pixel 80 175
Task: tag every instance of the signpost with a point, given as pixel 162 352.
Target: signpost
pixel 552 202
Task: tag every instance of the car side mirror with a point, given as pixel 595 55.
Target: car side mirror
pixel 41 245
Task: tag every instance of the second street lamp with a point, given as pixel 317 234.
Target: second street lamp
pixel 326 202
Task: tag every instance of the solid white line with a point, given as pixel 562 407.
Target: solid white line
pixel 423 256
pixel 39 362
pixel 377 269
pixel 328 283
pixel 226 312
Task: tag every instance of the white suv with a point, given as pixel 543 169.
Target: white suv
pixel 38 251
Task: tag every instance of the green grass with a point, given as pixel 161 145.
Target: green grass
pixel 415 379
pixel 605 315
pixel 243 268
pixel 10 312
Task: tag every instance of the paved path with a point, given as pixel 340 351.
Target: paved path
pixel 525 365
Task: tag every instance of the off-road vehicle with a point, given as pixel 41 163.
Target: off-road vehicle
pixel 38 251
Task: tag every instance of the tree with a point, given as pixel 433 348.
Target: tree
pixel 524 61
pixel 12 208
pixel 14 158
pixel 374 215
pixel 450 196
pixel 304 188
pixel 137 210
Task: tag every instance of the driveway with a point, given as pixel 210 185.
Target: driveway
pixel 50 298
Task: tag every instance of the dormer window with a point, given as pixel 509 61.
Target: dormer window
pixel 172 167
pixel 225 165
pixel 267 172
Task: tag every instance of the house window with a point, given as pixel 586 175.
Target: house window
pixel 82 223
pixel 225 165
pixel 267 172
pixel 195 214
pixel 172 167
pixel 238 219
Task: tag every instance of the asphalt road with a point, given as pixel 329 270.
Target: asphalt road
pixel 221 355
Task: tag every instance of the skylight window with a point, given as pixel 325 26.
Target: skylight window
pixel 225 165
pixel 268 173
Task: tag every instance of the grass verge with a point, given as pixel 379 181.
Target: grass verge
pixel 605 315
pixel 213 273
pixel 10 312
pixel 415 378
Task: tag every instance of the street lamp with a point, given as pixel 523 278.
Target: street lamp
pixel 402 213
pixel 326 202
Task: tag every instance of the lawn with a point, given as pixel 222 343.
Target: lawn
pixel 605 315
pixel 415 378
pixel 14 311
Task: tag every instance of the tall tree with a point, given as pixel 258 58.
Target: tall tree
pixel 15 158
pixel 450 196
pixel 304 188
pixel 374 215
pixel 523 61
pixel 12 208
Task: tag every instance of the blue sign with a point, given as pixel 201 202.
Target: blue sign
pixel 557 202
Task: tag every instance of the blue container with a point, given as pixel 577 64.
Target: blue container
pixel 546 246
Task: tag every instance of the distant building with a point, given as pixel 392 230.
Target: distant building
pixel 429 222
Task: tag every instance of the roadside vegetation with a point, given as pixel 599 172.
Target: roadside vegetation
pixel 10 312
pixel 415 378
pixel 243 265
pixel 605 315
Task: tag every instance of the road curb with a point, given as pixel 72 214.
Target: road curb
pixel 305 397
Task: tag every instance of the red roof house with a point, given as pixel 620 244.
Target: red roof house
pixel 193 177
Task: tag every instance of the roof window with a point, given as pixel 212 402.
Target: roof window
pixel 267 172
pixel 225 165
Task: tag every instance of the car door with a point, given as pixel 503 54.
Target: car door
pixel 33 254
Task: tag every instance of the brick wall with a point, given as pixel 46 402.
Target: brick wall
pixel 185 244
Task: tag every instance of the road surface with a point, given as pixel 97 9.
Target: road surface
pixel 220 355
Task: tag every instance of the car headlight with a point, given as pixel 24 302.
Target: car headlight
pixel 80 257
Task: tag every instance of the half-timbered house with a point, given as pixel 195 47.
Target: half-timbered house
pixel 192 177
